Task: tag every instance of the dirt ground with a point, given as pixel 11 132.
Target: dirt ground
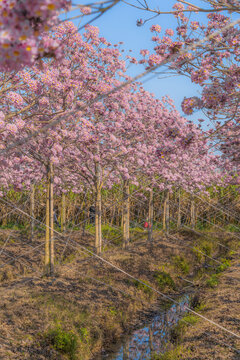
pixel 205 341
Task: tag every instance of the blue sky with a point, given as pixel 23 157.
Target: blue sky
pixel 119 24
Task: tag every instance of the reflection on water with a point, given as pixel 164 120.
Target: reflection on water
pixel 151 338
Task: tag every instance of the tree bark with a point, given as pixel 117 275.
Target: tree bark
pixel 193 218
pixel 49 239
pixel 32 208
pixel 126 214
pixel 98 210
pixel 63 213
pixel 51 220
pixel 150 216
pixel 47 228
pixel 179 210
pixel 166 213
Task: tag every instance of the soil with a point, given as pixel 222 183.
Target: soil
pixel 205 341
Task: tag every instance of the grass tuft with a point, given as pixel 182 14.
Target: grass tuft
pixel 181 264
pixel 164 280
pixel 63 341
pixel 213 281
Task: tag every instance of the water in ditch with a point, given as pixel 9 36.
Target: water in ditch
pixel 153 337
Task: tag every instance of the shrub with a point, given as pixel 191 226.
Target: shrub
pixel 143 287
pixel 63 341
pixel 169 355
pixel 84 334
pixel 225 264
pixel 181 264
pixel 177 331
pixel 232 228
pixel 206 247
pixel 196 303
pixel 164 280
pixel 212 281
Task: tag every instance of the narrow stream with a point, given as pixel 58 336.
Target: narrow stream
pixel 152 338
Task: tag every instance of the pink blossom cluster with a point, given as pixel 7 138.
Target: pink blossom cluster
pixel 189 104
pixel 212 65
pixel 156 28
pixel 194 25
pixel 85 10
pixel 22 24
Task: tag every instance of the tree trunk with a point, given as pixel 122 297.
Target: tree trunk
pixel 49 240
pixel 51 219
pixel 179 210
pixel 47 231
pixel 98 211
pixel 126 214
pixel 32 208
pixel 166 213
pixel 150 216
pixel 193 219
pixel 63 213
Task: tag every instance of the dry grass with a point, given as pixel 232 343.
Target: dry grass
pixel 87 297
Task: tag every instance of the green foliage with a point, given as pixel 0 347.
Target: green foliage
pixel 225 264
pixel 113 311
pixel 13 226
pixel 84 334
pixel 169 355
pixel 63 341
pixel 108 232
pixel 196 303
pixel 177 331
pixel 181 264
pixel 200 225
pixel 232 228
pixel 111 233
pixel 197 254
pixel 137 229
pixel 189 319
pixel 69 258
pixel 143 287
pixel 164 280
pixel 206 247
pixel 213 281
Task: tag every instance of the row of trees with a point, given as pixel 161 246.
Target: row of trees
pixel 105 137
pixel 114 140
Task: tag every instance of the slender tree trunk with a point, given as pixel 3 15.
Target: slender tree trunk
pixel 49 239
pixel 150 216
pixel 166 213
pixel 47 230
pixel 113 216
pixel 179 210
pixel 193 220
pixel 98 211
pixel 32 208
pixel 63 213
pixel 51 221
pixel 85 218
pixel 126 215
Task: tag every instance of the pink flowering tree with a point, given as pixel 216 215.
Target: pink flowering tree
pixel 23 26
pixel 213 65
pixel 35 96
